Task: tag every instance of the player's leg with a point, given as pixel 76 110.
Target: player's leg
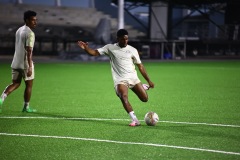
pixel 122 92
pixel 16 82
pixel 140 92
pixel 28 92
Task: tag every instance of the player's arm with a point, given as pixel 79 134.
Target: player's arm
pixel 29 58
pixel 145 75
pixel 85 47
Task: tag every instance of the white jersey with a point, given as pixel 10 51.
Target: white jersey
pixel 24 37
pixel 122 61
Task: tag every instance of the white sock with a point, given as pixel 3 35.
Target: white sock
pixel 26 105
pixel 3 96
pixel 133 116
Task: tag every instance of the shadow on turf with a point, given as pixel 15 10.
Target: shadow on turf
pixel 70 118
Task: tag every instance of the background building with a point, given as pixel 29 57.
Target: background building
pixel 159 29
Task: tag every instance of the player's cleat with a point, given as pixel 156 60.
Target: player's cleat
pixel 1 102
pixel 134 123
pixel 29 110
pixel 145 86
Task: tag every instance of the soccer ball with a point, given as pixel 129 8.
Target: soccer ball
pixel 151 118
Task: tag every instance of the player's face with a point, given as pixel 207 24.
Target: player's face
pixel 123 41
pixel 32 22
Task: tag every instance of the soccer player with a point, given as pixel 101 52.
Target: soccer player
pixel 123 58
pixel 22 64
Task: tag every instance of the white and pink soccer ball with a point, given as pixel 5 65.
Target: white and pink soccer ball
pixel 151 118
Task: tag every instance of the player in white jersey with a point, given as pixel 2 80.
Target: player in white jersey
pixel 123 59
pixel 22 64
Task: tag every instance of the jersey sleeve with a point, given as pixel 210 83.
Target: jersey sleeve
pixel 30 39
pixel 136 57
pixel 104 50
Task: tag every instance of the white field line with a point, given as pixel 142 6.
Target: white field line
pixel 109 119
pixel 121 142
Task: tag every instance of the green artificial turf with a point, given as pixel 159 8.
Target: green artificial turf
pixel 80 117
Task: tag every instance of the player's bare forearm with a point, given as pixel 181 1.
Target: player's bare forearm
pixel 88 50
pixel 145 75
pixel 143 72
pixel 91 51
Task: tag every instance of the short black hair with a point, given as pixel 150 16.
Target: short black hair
pixel 28 14
pixel 122 32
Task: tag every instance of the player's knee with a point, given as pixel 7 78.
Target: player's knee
pixel 123 97
pixel 144 99
pixel 15 85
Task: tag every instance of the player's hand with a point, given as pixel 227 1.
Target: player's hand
pixel 29 71
pixel 151 84
pixel 82 44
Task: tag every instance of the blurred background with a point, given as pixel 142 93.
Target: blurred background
pixel 159 29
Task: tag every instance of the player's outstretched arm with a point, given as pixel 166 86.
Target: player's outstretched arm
pixel 145 75
pixel 85 47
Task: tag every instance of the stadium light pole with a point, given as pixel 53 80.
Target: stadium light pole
pixel 91 4
pixel 120 14
pixel 58 3
pixel 19 1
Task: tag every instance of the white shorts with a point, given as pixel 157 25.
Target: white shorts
pixel 23 72
pixel 129 83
